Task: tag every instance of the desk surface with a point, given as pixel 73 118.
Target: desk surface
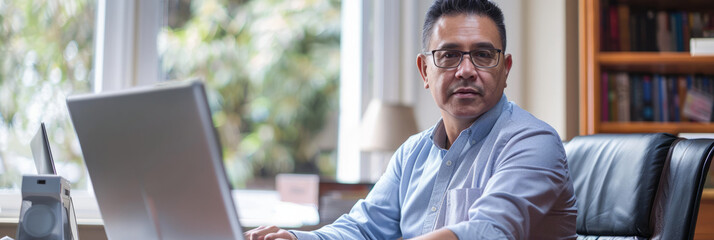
pixel 255 208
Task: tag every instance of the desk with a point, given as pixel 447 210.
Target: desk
pixel 255 208
pixel 263 207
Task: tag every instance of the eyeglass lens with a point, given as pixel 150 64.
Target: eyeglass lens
pixel 452 58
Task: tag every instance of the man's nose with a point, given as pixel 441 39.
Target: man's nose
pixel 466 70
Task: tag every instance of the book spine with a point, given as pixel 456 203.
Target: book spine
pixel 682 93
pixel 656 104
pixel 605 98
pixel 604 25
pixel 686 34
pixel 673 99
pixel 650 27
pixel 673 29
pixel 664 39
pixel 613 101
pixel 624 26
pixel 664 107
pixel 614 42
pixel 634 31
pixel 636 98
pixel 697 27
pixel 623 95
pixel 647 111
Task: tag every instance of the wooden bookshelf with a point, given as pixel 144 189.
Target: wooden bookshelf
pixel 666 62
pixel 647 127
pixel 705 220
pixel 594 61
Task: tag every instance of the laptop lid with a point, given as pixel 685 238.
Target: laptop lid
pixel 40 146
pixel 155 163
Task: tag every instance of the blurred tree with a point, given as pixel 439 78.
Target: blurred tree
pixel 272 68
pixel 46 49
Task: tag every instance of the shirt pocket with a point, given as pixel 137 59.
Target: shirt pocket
pixel 455 207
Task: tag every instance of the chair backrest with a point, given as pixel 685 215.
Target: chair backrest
pixel 637 186
pixel 680 189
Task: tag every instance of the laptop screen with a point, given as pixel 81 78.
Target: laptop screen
pixel 155 163
pixel 41 152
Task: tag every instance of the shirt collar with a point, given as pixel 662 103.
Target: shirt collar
pixel 477 131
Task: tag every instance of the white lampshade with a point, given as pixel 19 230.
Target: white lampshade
pixel 386 126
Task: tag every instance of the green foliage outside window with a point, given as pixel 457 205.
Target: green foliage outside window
pixel 271 68
pixel 272 71
pixel 46 50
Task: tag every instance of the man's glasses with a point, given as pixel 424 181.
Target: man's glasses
pixel 481 58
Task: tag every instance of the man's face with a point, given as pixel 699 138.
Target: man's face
pixel 465 92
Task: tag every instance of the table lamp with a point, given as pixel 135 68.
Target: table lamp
pixel 384 128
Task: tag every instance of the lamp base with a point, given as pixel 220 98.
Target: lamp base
pixel 373 165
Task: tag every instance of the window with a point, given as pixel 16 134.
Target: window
pixel 46 50
pixel 276 71
pixel 46 54
pixel 272 71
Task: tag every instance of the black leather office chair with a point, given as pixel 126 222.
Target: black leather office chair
pixel 637 186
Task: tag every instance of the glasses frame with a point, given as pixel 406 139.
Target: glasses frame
pixel 463 53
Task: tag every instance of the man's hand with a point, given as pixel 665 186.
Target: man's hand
pixel 440 234
pixel 268 233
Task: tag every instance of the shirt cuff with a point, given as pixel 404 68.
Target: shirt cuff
pixel 302 235
pixel 476 230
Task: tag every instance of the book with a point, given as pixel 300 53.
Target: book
pixel 628 28
pixel 605 98
pixel 647 103
pixel 614 33
pixel 623 14
pixel 645 97
pixel 664 35
pixel 623 96
pixel 642 32
pixel 650 35
pixel 612 98
pixel 673 99
pixel 686 32
pixel 636 98
pixel 656 103
pixel 604 26
pixel 701 46
pixel 675 27
pixel 663 100
pixel 682 93
pixel 698 106
pixel 696 24
pixel 634 36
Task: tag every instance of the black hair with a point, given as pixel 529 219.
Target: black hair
pixel 453 7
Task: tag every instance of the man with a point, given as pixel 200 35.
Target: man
pixel 487 170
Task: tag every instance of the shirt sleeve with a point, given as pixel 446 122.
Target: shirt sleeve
pixel 528 178
pixel 375 217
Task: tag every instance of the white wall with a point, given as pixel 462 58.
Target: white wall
pixel 550 29
pixel 426 111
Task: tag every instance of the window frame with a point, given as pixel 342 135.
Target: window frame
pixel 125 56
pixel 373 48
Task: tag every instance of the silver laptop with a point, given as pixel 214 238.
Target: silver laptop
pixel 41 152
pixel 155 163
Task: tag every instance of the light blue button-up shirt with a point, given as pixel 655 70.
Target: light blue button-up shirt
pixel 505 177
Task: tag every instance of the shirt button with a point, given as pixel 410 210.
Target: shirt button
pixel 433 209
pixel 473 142
pixel 448 163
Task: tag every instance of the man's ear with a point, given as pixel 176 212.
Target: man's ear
pixel 508 63
pixel 421 65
